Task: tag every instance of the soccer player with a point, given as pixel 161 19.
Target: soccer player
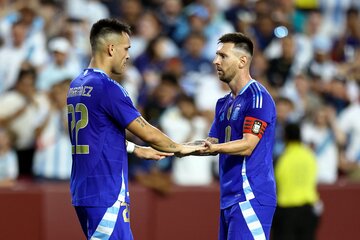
pixel 99 112
pixel 243 134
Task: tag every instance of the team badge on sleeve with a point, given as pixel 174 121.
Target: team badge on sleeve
pixel 254 126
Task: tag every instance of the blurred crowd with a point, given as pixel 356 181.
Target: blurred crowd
pixel 307 54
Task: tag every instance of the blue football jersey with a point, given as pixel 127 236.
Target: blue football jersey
pixel 246 177
pixel 99 110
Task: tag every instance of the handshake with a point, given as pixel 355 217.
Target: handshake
pixel 203 147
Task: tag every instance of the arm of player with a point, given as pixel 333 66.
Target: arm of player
pixel 146 152
pixel 253 130
pixel 244 146
pixel 202 142
pixel 158 140
pixel 150 153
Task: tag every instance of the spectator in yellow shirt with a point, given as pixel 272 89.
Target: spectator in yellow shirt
pixel 295 172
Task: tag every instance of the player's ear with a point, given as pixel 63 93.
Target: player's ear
pixel 243 61
pixel 110 50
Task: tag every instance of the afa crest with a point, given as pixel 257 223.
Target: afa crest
pixel 235 113
pixel 256 127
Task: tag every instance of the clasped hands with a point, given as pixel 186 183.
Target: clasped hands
pixel 198 148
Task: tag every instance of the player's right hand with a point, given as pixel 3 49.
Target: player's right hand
pixel 150 154
pixel 190 149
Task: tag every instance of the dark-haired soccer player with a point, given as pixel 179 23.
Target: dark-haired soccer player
pixel 99 111
pixel 243 134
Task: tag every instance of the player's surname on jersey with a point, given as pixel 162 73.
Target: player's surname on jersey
pixel 80 91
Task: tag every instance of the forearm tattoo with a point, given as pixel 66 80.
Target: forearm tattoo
pixel 141 122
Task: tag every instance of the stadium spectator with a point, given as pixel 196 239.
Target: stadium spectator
pixel 300 91
pixel 22 111
pixel 296 171
pixel 284 110
pixel 52 158
pixel 169 16
pixel 61 66
pixel 336 93
pixel 281 68
pixel 9 168
pixel 183 123
pixel 130 12
pixel 148 28
pixel 76 32
pixel 350 157
pixel 345 46
pixel 15 51
pixel 322 67
pixel 87 10
pixel 237 10
pixel 163 96
pixel 195 64
pixel 323 135
pixel 192 54
pixel 263 31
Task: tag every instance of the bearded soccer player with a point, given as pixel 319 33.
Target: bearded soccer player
pixel 99 112
pixel 243 133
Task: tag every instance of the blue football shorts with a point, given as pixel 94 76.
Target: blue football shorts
pixel 246 220
pixel 105 223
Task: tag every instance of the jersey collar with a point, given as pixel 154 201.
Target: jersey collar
pixel 246 86
pixel 94 70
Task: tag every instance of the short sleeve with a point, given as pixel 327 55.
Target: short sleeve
pixel 261 107
pixel 260 111
pixel 119 105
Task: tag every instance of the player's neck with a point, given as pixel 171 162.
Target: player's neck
pixel 101 65
pixel 239 83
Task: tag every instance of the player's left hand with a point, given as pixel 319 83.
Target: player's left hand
pixel 150 153
pixel 210 148
pixel 190 149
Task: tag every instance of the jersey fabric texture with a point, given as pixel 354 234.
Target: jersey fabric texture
pixel 243 178
pixel 99 110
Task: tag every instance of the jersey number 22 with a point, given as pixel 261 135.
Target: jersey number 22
pixel 78 125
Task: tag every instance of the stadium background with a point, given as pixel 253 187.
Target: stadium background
pixel 307 55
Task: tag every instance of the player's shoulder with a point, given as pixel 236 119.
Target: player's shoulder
pixel 254 87
pixel 100 78
pixel 258 94
pixel 224 98
pixel 115 87
pixel 221 101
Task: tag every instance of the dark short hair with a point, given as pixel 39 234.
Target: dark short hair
pixel 106 26
pixel 292 132
pixel 240 40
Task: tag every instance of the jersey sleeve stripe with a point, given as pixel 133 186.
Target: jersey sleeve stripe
pixel 257 96
pixel 253 93
pixel 260 93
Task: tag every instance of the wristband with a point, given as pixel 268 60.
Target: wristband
pixel 130 147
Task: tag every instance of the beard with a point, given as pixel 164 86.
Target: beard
pixel 224 78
